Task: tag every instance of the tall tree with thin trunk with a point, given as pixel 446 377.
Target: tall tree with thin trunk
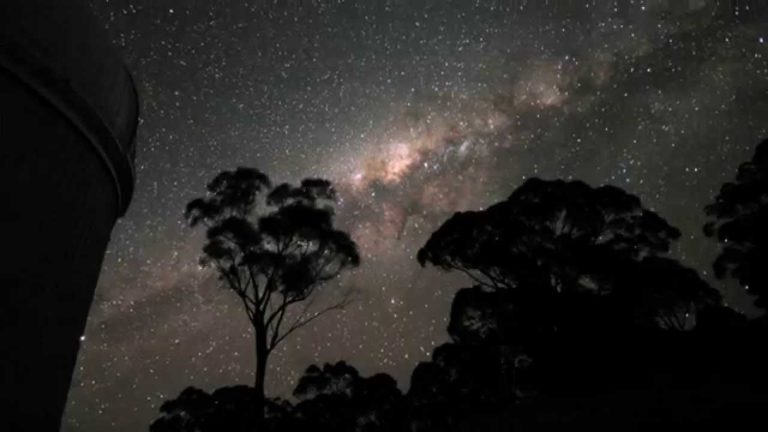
pixel 275 248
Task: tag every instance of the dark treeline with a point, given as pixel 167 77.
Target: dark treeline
pixel 576 317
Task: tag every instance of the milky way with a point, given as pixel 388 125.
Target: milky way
pixel 415 110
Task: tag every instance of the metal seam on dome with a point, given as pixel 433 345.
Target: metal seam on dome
pixel 54 97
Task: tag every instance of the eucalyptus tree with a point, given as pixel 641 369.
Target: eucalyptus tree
pixel 275 248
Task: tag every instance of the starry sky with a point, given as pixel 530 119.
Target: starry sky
pixel 415 109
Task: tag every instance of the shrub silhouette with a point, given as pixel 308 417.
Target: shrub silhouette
pixel 332 398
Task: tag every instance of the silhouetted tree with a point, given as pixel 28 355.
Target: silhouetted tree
pixel 567 325
pixel 560 269
pixel 334 398
pixel 337 399
pixel 554 244
pixel 738 221
pixel 662 292
pixel 273 247
pixel 229 409
pixel 468 387
pixel 188 412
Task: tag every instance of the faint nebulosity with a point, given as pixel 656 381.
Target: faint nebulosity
pixel 415 110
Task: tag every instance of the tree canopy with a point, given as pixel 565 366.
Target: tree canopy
pixel 558 235
pixel 738 221
pixel 566 253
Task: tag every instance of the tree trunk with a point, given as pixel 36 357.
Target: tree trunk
pixel 260 375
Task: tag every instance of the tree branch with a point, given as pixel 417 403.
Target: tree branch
pixel 488 282
pixel 303 321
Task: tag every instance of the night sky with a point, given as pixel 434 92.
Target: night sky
pixel 415 110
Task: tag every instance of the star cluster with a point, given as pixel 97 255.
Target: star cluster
pixel 415 109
